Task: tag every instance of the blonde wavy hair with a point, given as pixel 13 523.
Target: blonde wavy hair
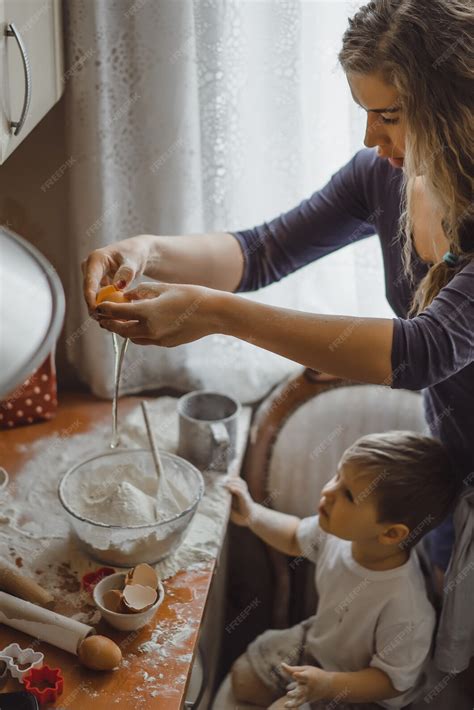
pixel 425 49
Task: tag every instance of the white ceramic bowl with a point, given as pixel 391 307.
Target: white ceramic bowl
pixel 124 622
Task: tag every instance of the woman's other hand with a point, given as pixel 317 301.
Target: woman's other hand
pixel 162 314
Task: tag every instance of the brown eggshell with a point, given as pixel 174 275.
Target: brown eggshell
pixel 124 609
pixel 99 653
pixel 112 600
pixel 143 574
pixel 137 597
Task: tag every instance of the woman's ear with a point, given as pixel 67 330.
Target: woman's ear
pixel 394 535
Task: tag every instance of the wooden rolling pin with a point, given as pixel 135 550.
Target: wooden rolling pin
pixel 24 587
pixel 43 624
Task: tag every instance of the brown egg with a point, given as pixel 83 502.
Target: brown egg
pixel 110 293
pixel 99 653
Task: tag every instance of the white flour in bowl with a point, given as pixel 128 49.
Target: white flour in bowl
pixel 118 503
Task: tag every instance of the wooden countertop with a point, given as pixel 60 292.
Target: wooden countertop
pixel 151 681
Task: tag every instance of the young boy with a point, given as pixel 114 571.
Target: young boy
pixel 371 636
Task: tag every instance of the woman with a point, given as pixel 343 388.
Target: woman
pixel 409 65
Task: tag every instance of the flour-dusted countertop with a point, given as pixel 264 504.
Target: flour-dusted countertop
pixel 34 535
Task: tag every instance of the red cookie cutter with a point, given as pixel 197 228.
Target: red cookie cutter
pixel 90 579
pixel 35 680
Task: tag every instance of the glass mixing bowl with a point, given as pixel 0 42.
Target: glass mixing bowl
pixel 122 545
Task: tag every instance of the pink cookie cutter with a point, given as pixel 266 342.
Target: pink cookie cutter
pixel 90 579
pixel 20 661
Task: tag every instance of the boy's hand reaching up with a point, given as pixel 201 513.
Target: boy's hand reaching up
pixel 242 503
pixel 309 684
pixel 271 526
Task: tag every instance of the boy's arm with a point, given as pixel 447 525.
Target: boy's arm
pixel 275 528
pixel 368 685
pixel 365 686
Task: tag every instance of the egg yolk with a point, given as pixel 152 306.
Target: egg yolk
pixel 110 293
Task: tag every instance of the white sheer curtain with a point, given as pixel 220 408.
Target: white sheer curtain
pixel 207 115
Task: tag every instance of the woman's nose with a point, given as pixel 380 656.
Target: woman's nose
pixel 373 131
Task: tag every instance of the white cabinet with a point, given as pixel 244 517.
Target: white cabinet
pixel 31 66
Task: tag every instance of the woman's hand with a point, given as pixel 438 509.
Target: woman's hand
pixel 118 263
pixel 243 506
pixel 162 314
pixel 309 684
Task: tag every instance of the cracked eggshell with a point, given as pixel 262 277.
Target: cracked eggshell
pixel 143 574
pixel 112 600
pixel 99 653
pixel 138 598
pixel 128 620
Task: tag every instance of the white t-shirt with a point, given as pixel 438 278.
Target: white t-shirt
pixel 367 618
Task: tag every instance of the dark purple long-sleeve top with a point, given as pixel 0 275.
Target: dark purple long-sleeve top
pixel 433 351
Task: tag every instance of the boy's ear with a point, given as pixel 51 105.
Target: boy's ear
pixel 394 535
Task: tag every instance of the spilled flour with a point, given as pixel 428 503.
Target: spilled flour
pixel 43 544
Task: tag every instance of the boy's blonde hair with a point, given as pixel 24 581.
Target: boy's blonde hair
pixel 413 479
